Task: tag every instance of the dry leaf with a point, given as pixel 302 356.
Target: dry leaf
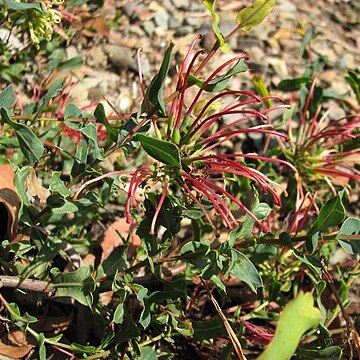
pixel 35 189
pixel 7 177
pixel 15 352
pixel 111 238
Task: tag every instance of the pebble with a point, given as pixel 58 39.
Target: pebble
pixel 149 27
pixel 121 57
pixel 162 20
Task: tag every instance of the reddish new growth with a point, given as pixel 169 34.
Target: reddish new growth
pixel 319 151
pixel 198 131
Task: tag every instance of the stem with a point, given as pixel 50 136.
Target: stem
pixel 26 284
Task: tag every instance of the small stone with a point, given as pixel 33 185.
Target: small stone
pixel 149 27
pixel 192 21
pixel 183 31
pixel 162 20
pixel 174 22
pixel 130 10
pixel 121 57
pixel 97 57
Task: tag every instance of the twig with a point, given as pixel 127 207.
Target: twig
pixel 351 329
pixel 26 284
pixel 233 338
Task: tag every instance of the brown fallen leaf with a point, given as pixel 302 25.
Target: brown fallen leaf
pixel 35 189
pixel 14 352
pixel 9 203
pixel 16 344
pixel 112 239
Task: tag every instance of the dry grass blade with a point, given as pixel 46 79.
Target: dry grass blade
pixel 233 338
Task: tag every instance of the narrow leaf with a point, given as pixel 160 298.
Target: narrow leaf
pixel 53 91
pixel 219 83
pixel 155 92
pixel 163 151
pixel 255 14
pixel 112 131
pixel 210 5
pixel 261 89
pixel 293 84
pixel 30 145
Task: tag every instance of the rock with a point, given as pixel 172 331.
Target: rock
pixel 183 31
pixel 192 21
pixel 97 58
pixel 121 57
pixel 174 22
pixel 279 66
pixel 13 42
pixel 162 20
pixel 149 27
pixel 130 10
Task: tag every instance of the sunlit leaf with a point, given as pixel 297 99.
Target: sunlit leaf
pixel 298 316
pixel 245 270
pixel 255 14
pixel 210 5
pixel 30 145
pixel 351 226
pixel 163 151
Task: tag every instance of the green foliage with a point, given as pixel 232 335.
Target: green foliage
pixel 210 5
pixel 254 14
pixel 127 225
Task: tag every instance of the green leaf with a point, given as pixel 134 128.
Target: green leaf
pixel 148 353
pixel 261 211
pixel 293 84
pixel 351 226
pixel 219 83
pixel 128 331
pixel 210 5
pixel 53 91
pixel 21 6
pixel 7 97
pixel 155 92
pixel 354 81
pixel 298 316
pixel 255 14
pixel 313 263
pixel 42 348
pixel 163 151
pixel 72 111
pixel 58 186
pixel 30 145
pixel 119 313
pixel 112 131
pixel 90 133
pixel 78 284
pixel 245 270
pixel 331 352
pixel 116 261
pixel 331 214
pixel 261 89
